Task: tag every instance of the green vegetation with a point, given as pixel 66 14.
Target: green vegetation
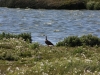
pixel 93 5
pixel 52 4
pixel 23 60
pixel 85 40
pixel 19 57
pixel 24 36
pixel 48 4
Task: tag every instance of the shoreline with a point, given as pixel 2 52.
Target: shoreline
pixel 50 4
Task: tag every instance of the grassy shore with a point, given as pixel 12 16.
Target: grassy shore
pixel 19 57
pixel 52 4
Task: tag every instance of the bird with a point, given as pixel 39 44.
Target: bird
pixel 48 42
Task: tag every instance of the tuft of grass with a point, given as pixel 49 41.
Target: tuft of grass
pixel 9 56
pixel 25 54
pixel 34 45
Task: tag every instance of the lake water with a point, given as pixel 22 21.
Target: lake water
pixel 56 24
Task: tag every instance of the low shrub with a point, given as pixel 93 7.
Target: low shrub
pixel 61 43
pixel 90 40
pixel 72 41
pixel 24 36
pixel 93 5
pixel 97 6
pixel 90 5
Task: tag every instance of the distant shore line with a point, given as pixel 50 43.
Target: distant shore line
pixel 50 4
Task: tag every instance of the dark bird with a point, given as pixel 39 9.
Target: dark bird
pixel 48 42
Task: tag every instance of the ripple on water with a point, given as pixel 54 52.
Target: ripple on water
pixel 56 24
pixel 57 30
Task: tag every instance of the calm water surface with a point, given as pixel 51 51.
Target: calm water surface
pixel 56 24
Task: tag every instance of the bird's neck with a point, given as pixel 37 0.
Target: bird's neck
pixel 46 37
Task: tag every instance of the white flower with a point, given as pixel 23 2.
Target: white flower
pixel 65 67
pixel 69 60
pixel 36 71
pixel 83 55
pixel 11 71
pixel 98 73
pixel 8 69
pixel 22 73
pixel 88 60
pixel 17 68
pixel 42 64
pixel 77 58
pixel 88 71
